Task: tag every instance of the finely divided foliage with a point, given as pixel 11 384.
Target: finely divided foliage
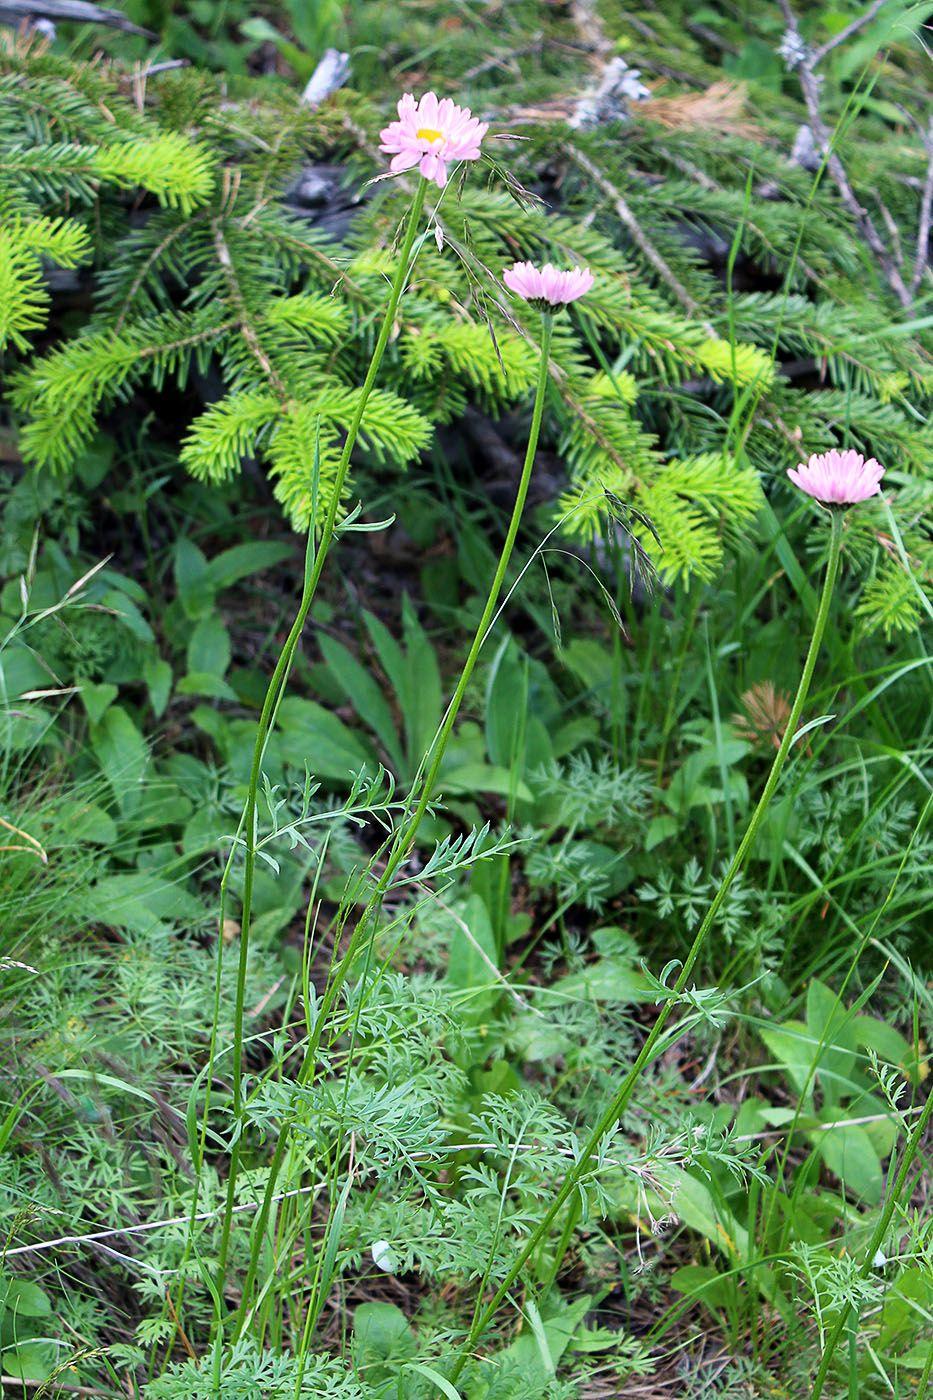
pixel 502 973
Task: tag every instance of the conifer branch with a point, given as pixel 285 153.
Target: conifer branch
pixel 641 238
pixel 247 329
pixel 147 265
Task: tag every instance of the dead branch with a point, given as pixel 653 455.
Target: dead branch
pixel 637 232
pixel 923 232
pixel 823 138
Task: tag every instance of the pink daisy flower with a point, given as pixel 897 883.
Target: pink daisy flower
pixel 431 135
pixel 547 285
pixel 838 478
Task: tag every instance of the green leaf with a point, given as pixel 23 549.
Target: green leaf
pixel 660 829
pixel 193 579
pixel 205 683
pixel 209 647
pixel 365 695
pixel 128 613
pixel 123 755
pixel 827 1020
pixel 391 657
pixel 86 822
pixel 849 1154
pixel 472 962
pixel 888 1044
pixel 139 901
pixel 792 1046
pixel 704 1284
pixel 421 697
pixel 158 677
pixel 25 1298
pixel 29 1361
pixel 310 735
pixel 607 979
pixel 696 1206
pixel 381 1335
pixel 435 1378
pixel 484 777
pixel 245 559
pixel 20 670
pixel 96 699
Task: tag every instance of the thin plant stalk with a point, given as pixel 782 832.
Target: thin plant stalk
pixel 312 578
pixel 440 743
pixel 875 1243
pixel 410 829
pixel 611 1115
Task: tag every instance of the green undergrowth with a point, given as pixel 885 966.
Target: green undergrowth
pixel 183 351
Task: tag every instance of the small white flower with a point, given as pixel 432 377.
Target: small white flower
pixel 384 1257
pixel 879 1260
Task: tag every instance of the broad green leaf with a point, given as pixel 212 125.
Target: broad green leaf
pixel 314 737
pixel 888 1044
pixel 711 1218
pixel 607 979
pixel 849 1154
pixel 827 1020
pixel 25 1298
pixel 158 677
pixel 192 579
pixel 704 1284
pixel 31 1361
pixel 128 613
pixel 96 699
pixel 792 1046
pixel 365 695
pixel 381 1334
pixel 506 705
pixel 472 960
pixel 139 901
pixel 209 647
pixel 391 656
pixel 484 777
pixel 245 559
pixel 123 755
pixel 85 822
pixel 20 671
pixel 205 683
pixel 421 697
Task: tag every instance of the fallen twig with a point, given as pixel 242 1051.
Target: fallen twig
pixel 923 232
pixel 808 83
pixel 637 232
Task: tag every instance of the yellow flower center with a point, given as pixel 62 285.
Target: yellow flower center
pixel 427 133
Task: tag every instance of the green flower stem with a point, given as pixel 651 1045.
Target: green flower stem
pixel 620 1101
pixel 407 835
pixel 266 719
pixel 440 744
pixel 877 1239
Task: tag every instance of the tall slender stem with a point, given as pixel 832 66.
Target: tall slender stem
pixel 440 743
pixel 279 676
pixel 619 1102
pixel 409 831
